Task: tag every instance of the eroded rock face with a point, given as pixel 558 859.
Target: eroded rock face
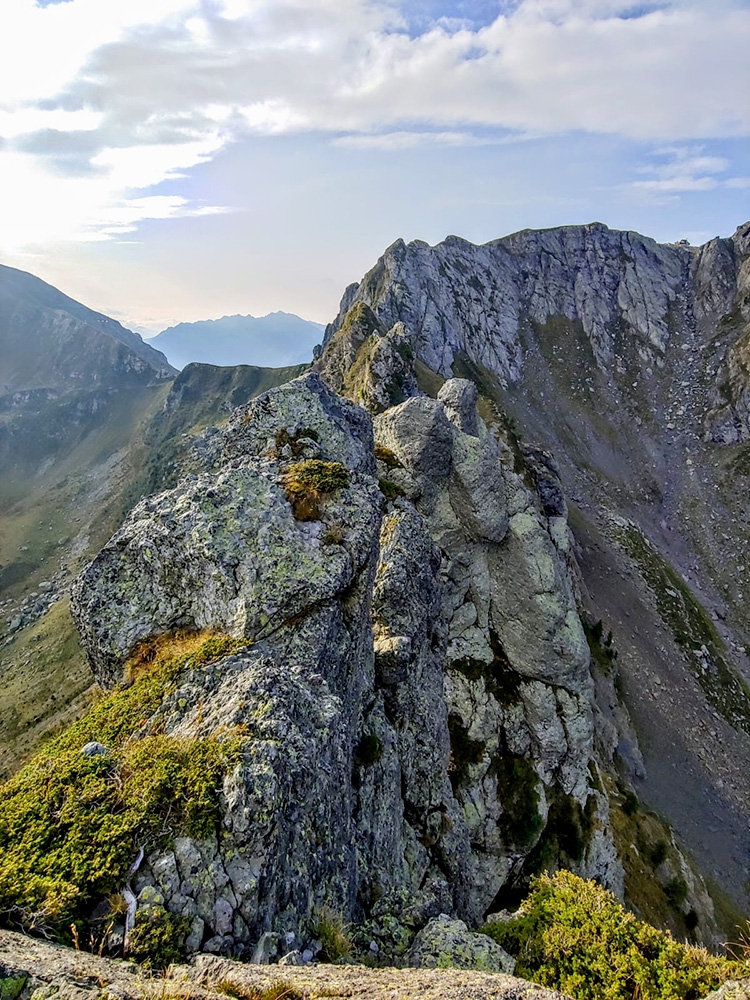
pixel 627 294
pixel 369 363
pixel 458 298
pixel 223 550
pixel 517 685
pixel 629 362
pixel 416 692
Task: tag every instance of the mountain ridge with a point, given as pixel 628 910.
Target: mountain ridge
pixel 481 623
pixel 611 351
pixel 240 339
pixel 23 286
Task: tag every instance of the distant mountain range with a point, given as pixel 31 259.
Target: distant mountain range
pixel 279 338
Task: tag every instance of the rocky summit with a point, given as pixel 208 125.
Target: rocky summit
pixel 458 606
pixel 417 684
pixel 621 359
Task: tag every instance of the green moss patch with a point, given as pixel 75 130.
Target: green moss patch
pixel 71 824
pixel 390 490
pixel 500 679
pixel 575 937
pixel 387 457
pixel 517 790
pixel 11 986
pixel 158 938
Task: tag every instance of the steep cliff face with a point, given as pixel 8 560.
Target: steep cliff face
pixel 627 361
pixel 630 296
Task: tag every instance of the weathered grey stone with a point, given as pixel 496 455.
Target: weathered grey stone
pixel 459 396
pixel 738 989
pixel 223 917
pixel 460 299
pixel 445 943
pixel 380 651
pixel 218 945
pixel 166 874
pixel 292 958
pixel 195 935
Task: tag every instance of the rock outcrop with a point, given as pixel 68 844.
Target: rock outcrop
pixel 32 970
pixel 446 943
pixel 624 290
pixel 614 373
pixel 416 689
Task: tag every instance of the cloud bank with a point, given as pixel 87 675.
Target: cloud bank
pixel 106 106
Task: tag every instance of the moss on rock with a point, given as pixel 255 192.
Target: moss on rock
pixel 72 823
pixel 307 483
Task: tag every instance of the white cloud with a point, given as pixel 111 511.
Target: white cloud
pixel 684 169
pixel 38 208
pixel 148 165
pixel 29 119
pixel 410 140
pixel 161 86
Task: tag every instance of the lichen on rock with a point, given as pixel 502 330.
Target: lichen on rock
pixel 399 651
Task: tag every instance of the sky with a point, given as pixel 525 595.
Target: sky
pixel 165 161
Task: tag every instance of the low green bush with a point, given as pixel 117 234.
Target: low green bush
pixel 71 825
pixel 574 936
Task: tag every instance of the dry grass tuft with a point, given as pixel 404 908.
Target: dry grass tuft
pixel 241 991
pixel 308 483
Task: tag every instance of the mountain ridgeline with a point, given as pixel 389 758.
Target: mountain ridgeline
pixel 279 338
pixel 627 361
pixel 461 604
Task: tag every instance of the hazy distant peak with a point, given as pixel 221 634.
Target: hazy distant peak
pixel 274 340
